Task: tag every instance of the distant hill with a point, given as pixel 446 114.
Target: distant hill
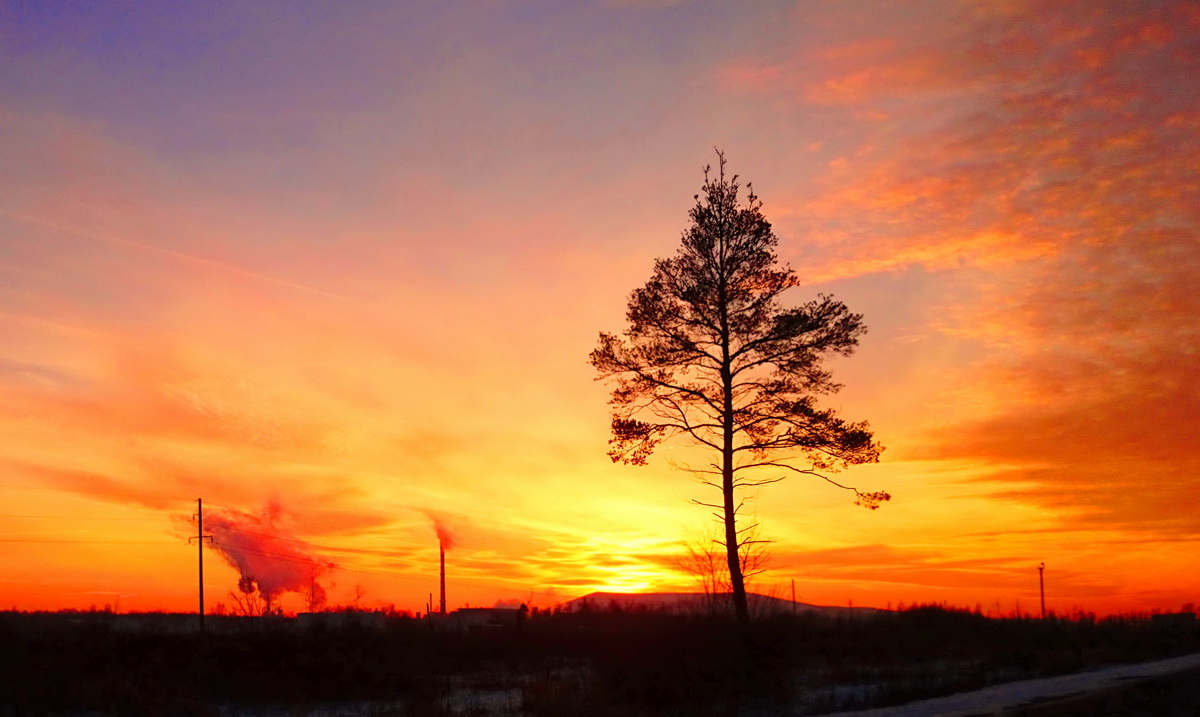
pixel 688 603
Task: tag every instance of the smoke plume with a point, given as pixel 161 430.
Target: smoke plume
pixel 444 534
pixel 265 555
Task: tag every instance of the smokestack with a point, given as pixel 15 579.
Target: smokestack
pixel 445 542
pixel 442 551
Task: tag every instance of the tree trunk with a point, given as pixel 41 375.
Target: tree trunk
pixel 737 584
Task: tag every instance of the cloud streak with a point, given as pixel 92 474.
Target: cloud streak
pixel 283 281
pixel 189 259
pixel 1054 171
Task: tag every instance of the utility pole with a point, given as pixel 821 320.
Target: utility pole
pixel 200 537
pixel 1042 587
pixel 793 596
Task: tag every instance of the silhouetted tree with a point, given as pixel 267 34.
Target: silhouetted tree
pixel 315 599
pixel 711 355
pixel 705 562
pixel 248 601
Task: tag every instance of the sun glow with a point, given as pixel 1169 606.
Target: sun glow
pixel 355 284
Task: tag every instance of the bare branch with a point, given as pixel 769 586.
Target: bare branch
pixel 868 500
pixel 756 483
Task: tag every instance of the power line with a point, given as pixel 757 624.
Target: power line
pixel 401 577
pixel 99 542
pixel 398 576
pixel 98 495
pixel 75 517
pixel 306 543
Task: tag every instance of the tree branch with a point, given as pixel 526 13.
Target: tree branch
pixel 868 500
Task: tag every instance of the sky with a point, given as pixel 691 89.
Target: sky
pixel 336 269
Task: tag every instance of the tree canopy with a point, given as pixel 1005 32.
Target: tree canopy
pixel 711 354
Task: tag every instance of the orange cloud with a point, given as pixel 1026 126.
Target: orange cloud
pixel 1066 183
pixel 387 312
pixel 1034 156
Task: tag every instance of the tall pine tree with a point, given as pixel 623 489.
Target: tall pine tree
pixel 713 356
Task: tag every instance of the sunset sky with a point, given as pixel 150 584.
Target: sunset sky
pixel 336 268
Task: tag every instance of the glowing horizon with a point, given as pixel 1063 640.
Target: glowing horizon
pixel 338 273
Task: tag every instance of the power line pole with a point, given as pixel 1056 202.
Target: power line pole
pixel 200 538
pixel 1042 587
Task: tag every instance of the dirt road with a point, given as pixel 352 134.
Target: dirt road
pixel 1006 698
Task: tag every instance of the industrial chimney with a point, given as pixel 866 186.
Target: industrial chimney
pixel 445 541
pixel 442 551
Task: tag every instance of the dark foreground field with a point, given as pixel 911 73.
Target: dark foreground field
pixel 595 663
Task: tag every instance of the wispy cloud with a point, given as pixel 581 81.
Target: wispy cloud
pixel 1054 168
pixel 363 273
pixel 171 254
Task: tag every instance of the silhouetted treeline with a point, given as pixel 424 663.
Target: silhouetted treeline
pixel 593 663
